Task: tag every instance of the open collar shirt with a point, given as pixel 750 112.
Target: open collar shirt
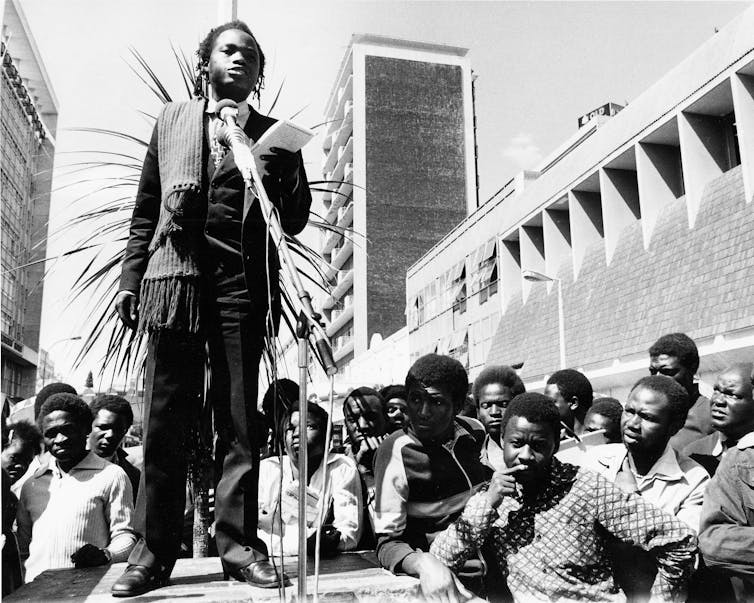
pixel 552 547
pixel 675 483
pixel 60 512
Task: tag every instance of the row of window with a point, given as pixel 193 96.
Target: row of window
pixel 452 288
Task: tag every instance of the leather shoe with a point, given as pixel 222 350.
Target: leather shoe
pixel 261 574
pixel 137 580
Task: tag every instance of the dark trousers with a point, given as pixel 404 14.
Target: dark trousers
pixel 174 386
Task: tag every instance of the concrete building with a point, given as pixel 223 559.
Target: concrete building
pixel 29 121
pixel 399 158
pixel 642 220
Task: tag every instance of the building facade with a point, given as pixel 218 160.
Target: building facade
pixel 642 221
pixel 28 115
pixel 398 160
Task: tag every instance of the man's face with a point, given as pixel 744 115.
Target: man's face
pixel 594 422
pixel 396 410
pixel 430 412
pixel 315 437
pixel 108 429
pixel 531 445
pixel 647 422
pixel 63 437
pixel 233 65
pixel 363 418
pixel 670 366
pixel 16 459
pixel 565 407
pixel 493 400
pixel 731 404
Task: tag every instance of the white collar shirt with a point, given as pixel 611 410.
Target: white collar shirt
pixel 675 483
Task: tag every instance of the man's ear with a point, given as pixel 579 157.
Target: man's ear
pixel 573 404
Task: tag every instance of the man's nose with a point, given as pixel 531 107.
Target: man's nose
pixel 425 410
pixel 60 437
pixel 496 410
pixel 525 454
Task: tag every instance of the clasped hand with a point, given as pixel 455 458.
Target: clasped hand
pixel 90 556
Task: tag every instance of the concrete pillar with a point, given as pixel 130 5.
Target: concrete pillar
pixel 703 155
pixel 557 232
pixel 660 181
pixel 620 205
pixel 743 104
pixel 585 212
pixel 532 254
pixel 509 270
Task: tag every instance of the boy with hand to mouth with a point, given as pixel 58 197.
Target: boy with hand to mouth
pixel 546 520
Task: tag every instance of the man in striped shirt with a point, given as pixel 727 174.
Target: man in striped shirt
pixel 425 473
pixel 76 510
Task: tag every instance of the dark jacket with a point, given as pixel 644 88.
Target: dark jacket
pixel 698 422
pixel 218 185
pixel 422 488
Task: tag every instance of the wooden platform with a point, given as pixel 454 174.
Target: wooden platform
pixel 345 578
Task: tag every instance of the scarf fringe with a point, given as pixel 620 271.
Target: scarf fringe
pixel 170 303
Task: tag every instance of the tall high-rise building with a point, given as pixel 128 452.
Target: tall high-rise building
pixel 29 121
pixel 399 160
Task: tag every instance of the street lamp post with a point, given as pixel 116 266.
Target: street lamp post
pixel 538 277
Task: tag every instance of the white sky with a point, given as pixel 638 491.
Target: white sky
pixel 539 65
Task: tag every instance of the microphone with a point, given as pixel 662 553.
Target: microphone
pixel 231 136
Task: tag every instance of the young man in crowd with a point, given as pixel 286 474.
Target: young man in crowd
pixel 727 536
pixel 605 414
pixel 42 456
pixel 277 401
pixel 493 390
pixel 200 273
pixel 547 520
pixel 24 443
pixel 676 355
pixel 572 393
pixel 113 418
pixel 366 426
pixel 396 413
pixel 646 464
pixel 425 474
pixel 732 416
pixel 75 511
pixel 278 497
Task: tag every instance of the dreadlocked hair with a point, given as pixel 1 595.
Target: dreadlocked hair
pixel 205 50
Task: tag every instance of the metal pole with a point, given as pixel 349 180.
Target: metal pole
pixel 561 324
pixel 303 456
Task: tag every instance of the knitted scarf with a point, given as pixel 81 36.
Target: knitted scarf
pixel 170 289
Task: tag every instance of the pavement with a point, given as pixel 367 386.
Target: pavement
pixel 349 577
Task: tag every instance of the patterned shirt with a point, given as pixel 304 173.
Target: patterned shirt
pixel 552 548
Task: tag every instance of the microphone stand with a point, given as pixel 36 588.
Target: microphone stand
pixel 306 326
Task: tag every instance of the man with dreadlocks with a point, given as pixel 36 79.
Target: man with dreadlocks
pixel 200 269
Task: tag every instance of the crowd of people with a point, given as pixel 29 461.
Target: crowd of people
pixel 485 500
